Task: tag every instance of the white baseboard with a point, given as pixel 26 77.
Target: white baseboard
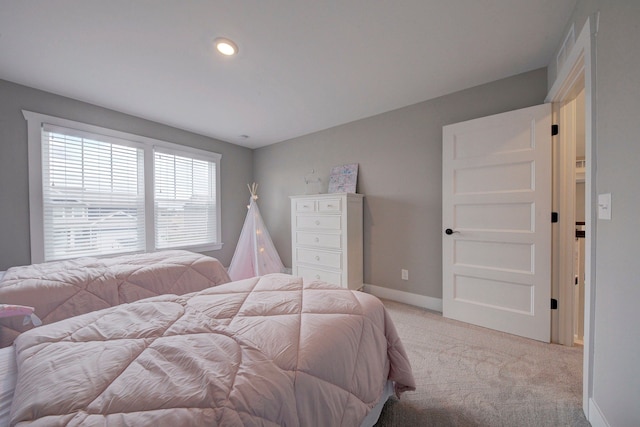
pixel 422 301
pixel 596 418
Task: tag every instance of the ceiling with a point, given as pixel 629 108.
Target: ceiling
pixel 303 65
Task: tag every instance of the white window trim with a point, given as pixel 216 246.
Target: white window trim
pixel 34 146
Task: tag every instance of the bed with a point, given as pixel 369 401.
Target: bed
pixel 8 374
pixel 267 351
pixel 62 289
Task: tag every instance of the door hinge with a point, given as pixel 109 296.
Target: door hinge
pixel 554 217
pixel 554 304
pixel 554 130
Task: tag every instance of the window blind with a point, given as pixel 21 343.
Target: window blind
pixel 93 194
pixel 184 200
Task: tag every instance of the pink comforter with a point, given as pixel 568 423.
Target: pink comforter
pixel 59 290
pixel 264 351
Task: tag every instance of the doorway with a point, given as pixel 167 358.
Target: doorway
pixel 569 201
pixel 580 220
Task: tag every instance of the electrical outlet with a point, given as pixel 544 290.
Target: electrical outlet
pixel 404 274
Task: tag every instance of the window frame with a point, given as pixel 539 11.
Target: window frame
pixel 35 122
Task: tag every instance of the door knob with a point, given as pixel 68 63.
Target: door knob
pixel 449 231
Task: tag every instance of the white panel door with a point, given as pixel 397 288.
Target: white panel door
pixel 497 222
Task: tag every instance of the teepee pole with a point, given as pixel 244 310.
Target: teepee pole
pixel 253 189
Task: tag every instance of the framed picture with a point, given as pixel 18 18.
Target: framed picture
pixel 343 179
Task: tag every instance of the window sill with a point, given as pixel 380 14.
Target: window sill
pixel 199 248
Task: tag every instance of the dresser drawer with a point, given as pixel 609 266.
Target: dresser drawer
pixel 318 222
pixel 329 205
pixel 319 258
pixel 308 273
pixel 305 205
pixel 320 240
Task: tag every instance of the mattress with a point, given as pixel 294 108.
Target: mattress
pixel 372 417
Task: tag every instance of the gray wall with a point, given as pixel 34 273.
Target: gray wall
pixel 235 168
pixel 400 173
pixel 616 371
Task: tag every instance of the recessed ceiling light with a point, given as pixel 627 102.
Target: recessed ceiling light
pixel 226 46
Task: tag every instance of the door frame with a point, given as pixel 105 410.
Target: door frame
pixel 581 63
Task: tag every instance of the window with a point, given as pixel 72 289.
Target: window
pixel 95 191
pixel 92 195
pixel 184 200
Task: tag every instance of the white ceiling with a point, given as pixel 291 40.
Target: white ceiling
pixel 303 65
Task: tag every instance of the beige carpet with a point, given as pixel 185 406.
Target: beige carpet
pixel 471 376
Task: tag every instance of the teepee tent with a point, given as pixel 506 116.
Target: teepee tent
pixel 255 254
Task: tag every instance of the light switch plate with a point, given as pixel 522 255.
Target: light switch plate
pixel 604 206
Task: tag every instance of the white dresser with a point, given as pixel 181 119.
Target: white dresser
pixel 326 238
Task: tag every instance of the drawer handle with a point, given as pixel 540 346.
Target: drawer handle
pixel 317 240
pixel 317 257
pixel 318 276
pixel 317 222
pixel 329 206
